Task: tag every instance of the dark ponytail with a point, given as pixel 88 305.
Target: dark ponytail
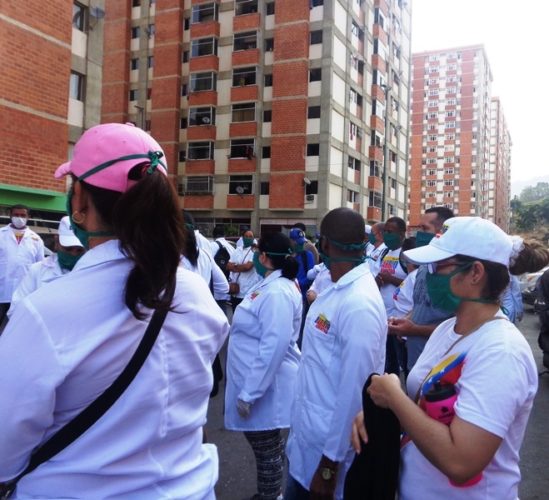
pixel 148 222
pixel 533 257
pixel 277 246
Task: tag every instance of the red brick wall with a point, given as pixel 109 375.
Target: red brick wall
pixel 34 82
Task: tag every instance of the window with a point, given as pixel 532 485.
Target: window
pixel 77 86
pixel 270 9
pixel 202 116
pixel 244 76
pixel 433 91
pixel 151 30
pixel 316 37
pixel 186 23
pixel 315 74
pixel 450 113
pixel 432 104
pixel 433 137
pixel 242 7
pixel 183 123
pixel 244 112
pixel 266 152
pixel 269 44
pixel 374 199
pixel 245 41
pixel 431 183
pixel 149 93
pixel 354 163
pixel 450 125
pixel 267 116
pixel 450 137
pixel 150 62
pixel 242 148
pixel 311 188
pixel 374 169
pixel 204 47
pixel 449 170
pixel 390 209
pixel 136 3
pixel 313 149
pixel 268 80
pixel 182 156
pixel 184 89
pixel 185 56
pixel 200 150
pixel 313 112
pixel 241 184
pixel 448 194
pixel 448 159
pixel 393 183
pixel 199 184
pixel 316 3
pixel 431 171
pixel 79 16
pixel 134 63
pixel 449 182
pixel 204 12
pixel 264 188
pixel 352 196
pixel 203 81
pixel 135 32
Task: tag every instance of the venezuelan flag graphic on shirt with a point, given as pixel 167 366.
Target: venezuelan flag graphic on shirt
pixel 389 264
pixel 447 372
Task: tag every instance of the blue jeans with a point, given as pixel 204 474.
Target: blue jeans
pixel 294 490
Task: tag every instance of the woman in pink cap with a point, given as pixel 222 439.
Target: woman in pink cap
pixel 472 389
pixel 67 342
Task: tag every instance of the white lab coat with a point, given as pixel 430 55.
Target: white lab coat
pixel 211 274
pixel 263 356
pixel 66 343
pixel 38 275
pixel 343 343
pixel 248 279
pixel 16 258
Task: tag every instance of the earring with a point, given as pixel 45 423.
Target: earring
pixel 78 217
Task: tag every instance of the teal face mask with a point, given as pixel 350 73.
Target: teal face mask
pixel 67 260
pixel 392 240
pixel 423 238
pixel 440 291
pixel 82 235
pixel 372 238
pixel 247 242
pixel 258 266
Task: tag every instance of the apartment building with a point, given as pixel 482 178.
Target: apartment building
pixel 452 137
pixel 49 93
pixel 499 177
pixel 270 112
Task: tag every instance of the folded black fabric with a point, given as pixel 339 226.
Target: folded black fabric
pixel 374 472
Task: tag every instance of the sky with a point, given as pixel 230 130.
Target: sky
pixel 515 36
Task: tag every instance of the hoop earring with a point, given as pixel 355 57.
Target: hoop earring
pixel 78 217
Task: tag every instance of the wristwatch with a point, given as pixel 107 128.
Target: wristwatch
pixel 327 473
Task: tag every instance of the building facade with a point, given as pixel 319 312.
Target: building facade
pixel 49 93
pixel 270 112
pixel 451 135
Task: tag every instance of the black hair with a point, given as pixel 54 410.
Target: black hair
pixel 300 225
pixel 345 226
pixel 148 222
pixel 279 243
pixel 443 213
pixel 497 276
pixel 191 245
pixel 407 244
pixel 19 206
pixel 219 231
pixel 398 222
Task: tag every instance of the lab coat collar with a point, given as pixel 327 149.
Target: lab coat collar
pixel 352 276
pixel 108 251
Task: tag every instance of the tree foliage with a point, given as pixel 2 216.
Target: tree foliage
pixel 534 193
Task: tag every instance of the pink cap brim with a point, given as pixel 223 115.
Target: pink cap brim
pixel 62 170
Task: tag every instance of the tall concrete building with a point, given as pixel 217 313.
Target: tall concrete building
pixel 451 136
pixel 499 177
pixel 49 93
pixel 269 112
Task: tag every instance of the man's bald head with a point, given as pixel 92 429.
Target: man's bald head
pixel 343 225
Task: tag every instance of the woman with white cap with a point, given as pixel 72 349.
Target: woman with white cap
pixel 68 251
pixel 68 343
pixel 472 389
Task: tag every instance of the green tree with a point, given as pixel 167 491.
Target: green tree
pixel 535 193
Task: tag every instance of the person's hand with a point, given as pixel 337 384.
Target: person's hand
pixel 243 408
pixel 379 280
pixel 231 266
pixel 400 326
pixel 358 432
pixel 320 488
pixel 383 388
pixel 311 296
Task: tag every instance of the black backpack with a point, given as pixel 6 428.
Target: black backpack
pixel 221 258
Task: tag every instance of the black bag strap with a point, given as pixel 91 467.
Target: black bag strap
pixel 219 245
pixel 92 413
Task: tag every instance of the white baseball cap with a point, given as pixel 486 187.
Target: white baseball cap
pixel 471 236
pixel 66 236
pixel 367 229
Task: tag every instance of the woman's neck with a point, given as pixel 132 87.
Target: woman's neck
pixel 471 315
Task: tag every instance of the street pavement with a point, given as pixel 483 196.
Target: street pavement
pixel 237 464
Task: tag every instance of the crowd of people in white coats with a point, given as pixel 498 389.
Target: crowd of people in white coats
pixel 110 351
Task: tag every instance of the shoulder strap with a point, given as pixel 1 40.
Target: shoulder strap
pixel 219 245
pixel 87 417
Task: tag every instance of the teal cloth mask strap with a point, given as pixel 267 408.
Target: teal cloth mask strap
pixel 152 156
pixel 349 247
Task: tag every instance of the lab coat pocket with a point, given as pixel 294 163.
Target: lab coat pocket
pixel 315 421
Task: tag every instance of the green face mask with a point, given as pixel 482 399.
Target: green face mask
pixel 423 238
pixel 247 242
pixel 258 266
pixel 67 260
pixel 83 235
pixel 440 291
pixel 372 238
pixel 392 240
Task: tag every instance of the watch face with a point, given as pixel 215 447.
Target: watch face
pixel 327 474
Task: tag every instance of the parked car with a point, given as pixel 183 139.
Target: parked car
pixel 528 283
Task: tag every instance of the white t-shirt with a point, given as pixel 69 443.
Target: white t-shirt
pixel 496 390
pixel 403 296
pixel 391 265
pixel 247 279
pixel 374 260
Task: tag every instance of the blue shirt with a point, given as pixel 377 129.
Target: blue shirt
pixel 304 257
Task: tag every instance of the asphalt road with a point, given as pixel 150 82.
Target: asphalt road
pixel 237 465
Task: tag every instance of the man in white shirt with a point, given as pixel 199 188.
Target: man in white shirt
pixel 19 248
pixel 377 249
pixel 221 244
pixel 343 343
pixel 242 268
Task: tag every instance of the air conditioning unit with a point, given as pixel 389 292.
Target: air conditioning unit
pixel 309 198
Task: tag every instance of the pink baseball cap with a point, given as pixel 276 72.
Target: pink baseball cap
pixel 106 153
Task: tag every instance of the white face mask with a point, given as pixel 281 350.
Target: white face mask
pixel 19 222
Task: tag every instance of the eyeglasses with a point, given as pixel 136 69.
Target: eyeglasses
pixel 434 267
